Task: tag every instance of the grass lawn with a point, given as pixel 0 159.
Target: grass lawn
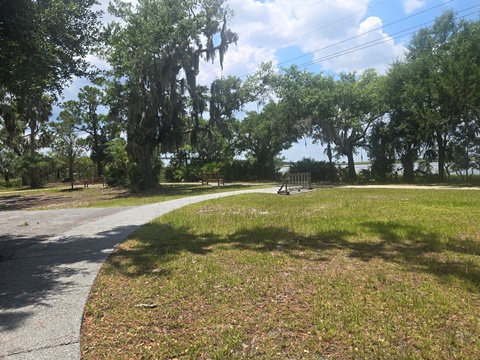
pixel 331 274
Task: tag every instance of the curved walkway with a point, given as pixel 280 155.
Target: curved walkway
pixel 49 261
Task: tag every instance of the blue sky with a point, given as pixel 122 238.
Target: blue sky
pixel 298 32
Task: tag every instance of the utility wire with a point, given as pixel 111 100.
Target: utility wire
pixel 325 26
pixel 359 35
pixel 365 33
pixel 377 42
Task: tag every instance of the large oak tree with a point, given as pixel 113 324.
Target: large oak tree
pixel 155 53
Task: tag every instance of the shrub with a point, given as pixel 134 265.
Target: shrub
pixel 320 170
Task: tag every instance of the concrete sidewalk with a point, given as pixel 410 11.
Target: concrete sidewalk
pixel 45 283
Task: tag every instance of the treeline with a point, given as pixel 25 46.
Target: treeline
pixel 426 107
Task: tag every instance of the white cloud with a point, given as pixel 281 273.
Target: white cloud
pixel 274 23
pixel 320 30
pixel 370 47
pixel 409 6
pixel 239 60
pixel 272 28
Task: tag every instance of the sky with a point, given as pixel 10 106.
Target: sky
pixel 329 36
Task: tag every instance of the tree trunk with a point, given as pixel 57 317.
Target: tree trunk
pixel 329 153
pixel 99 168
pixel 352 174
pixel 408 163
pixel 144 179
pixel 441 156
pixel 34 180
pixel 96 147
pixel 70 170
pixel 271 169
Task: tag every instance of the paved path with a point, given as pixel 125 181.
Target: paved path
pixel 49 261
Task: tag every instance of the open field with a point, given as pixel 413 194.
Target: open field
pixel 337 273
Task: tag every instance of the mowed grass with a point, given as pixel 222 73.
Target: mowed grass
pixel 331 274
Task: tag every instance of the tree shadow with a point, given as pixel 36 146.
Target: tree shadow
pixel 406 245
pixel 69 190
pixel 39 271
pixel 25 202
pixel 177 190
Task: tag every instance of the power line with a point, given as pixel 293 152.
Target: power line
pixel 357 36
pixel 325 26
pixel 377 42
pixel 365 33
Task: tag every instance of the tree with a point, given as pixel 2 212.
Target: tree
pixel 11 132
pixel 263 136
pixel 44 43
pixel 460 69
pixel 36 110
pixel 445 86
pixel 350 109
pixel 381 151
pixel 67 141
pixel 459 90
pixel 95 125
pixel 117 166
pixel 8 163
pixel 302 98
pixel 155 55
pixel 404 130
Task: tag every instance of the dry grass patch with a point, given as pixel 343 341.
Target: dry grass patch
pixel 367 274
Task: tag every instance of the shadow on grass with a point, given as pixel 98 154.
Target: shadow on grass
pixel 25 202
pixel 414 250
pixel 69 190
pixel 181 190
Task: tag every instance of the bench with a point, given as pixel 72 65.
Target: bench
pixel 206 177
pixel 296 182
pixel 93 181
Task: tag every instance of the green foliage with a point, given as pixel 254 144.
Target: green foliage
pixel 97 126
pixel 11 183
pixel 357 105
pixel 8 163
pixel 321 171
pixel 118 166
pixel 44 43
pixel 335 112
pixel 441 90
pixel 381 151
pixel 38 165
pixel 67 144
pixel 262 136
pixel 156 52
pixel 83 167
pixel 239 170
pixel 182 167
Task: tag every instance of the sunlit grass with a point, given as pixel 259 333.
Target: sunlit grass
pixel 337 273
